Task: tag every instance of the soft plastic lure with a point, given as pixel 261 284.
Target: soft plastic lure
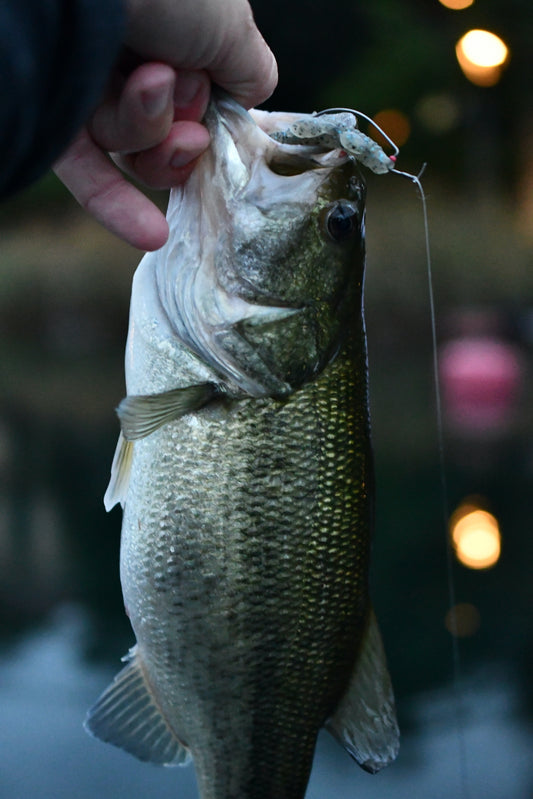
pixel 334 128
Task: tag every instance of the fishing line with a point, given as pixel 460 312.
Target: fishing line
pixel 456 658
pixel 375 163
pixel 369 153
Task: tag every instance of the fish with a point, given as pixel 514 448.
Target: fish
pixel 244 467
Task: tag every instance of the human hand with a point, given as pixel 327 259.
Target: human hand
pixel 219 36
pixel 151 126
pixel 151 120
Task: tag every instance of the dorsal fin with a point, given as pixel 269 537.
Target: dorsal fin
pixel 127 716
pixel 365 719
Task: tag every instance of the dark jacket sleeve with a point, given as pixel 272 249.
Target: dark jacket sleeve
pixel 55 57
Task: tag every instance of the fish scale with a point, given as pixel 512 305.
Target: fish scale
pixel 294 628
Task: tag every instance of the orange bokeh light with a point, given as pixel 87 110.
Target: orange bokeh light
pixel 395 124
pixel 457 5
pixel 482 56
pixel 476 537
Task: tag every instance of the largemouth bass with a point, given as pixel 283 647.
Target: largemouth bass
pixel 245 470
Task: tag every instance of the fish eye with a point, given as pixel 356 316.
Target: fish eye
pixel 342 220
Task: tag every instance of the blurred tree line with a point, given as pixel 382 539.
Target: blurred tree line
pixel 397 53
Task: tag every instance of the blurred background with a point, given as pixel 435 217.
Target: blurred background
pixel 463 105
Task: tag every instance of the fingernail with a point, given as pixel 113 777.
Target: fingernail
pixel 156 100
pixel 182 158
pixel 187 87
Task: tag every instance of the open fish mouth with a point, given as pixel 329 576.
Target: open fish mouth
pixel 264 129
pixel 261 236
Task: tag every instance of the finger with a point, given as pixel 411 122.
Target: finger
pixel 100 188
pixel 245 66
pixel 221 38
pixel 191 94
pixel 139 116
pixel 171 162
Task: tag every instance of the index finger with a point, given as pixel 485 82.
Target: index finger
pixel 100 188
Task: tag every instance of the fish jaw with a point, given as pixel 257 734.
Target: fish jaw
pixel 249 250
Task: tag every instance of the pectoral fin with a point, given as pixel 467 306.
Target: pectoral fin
pixel 127 716
pixel 365 719
pixel 141 415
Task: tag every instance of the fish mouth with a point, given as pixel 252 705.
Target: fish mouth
pixel 283 159
pixel 230 281
pixel 289 160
